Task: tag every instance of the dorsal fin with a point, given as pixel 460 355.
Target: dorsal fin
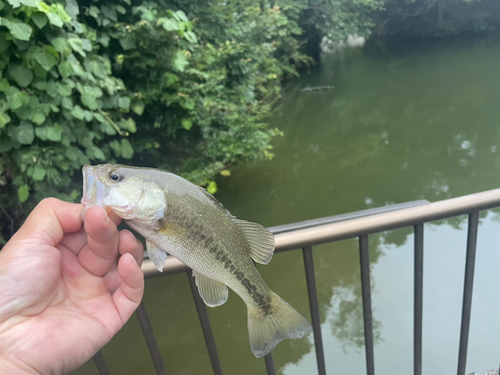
pixel 261 241
pixel 216 202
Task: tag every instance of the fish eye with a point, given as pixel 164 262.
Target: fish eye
pixel 115 176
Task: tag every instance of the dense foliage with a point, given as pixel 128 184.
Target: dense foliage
pixel 184 85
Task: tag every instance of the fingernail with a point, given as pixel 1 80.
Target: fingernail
pixel 106 217
pixel 131 258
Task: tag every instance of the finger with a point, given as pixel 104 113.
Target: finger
pixel 128 296
pixel 50 219
pixel 101 251
pixel 74 241
pixel 129 244
pixel 115 218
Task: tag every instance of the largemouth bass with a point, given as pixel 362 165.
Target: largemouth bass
pixel 184 220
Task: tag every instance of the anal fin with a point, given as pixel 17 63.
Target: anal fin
pixel 157 255
pixel 213 293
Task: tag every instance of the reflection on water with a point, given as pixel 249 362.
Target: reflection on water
pixel 420 122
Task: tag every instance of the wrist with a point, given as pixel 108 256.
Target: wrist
pixel 12 366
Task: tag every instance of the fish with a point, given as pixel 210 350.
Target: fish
pixel 184 220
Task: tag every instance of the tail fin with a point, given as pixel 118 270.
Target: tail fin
pixel 268 326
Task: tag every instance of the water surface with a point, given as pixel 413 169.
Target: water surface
pixel 402 123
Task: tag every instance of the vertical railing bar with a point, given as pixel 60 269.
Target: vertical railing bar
pixel 418 298
pixel 314 306
pixel 147 330
pixel 269 364
pixel 468 284
pixel 205 326
pixel 364 258
pixel 100 363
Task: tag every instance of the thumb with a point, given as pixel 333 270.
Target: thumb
pixel 50 219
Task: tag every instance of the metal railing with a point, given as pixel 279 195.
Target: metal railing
pixel 359 224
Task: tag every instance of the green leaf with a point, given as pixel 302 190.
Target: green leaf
pixel 4 84
pixel 180 16
pixel 4 119
pixel 65 69
pixel 120 9
pixel 77 46
pixel 129 124
pixel 47 57
pixel 89 100
pixel 23 193
pixel 14 3
pixel 99 154
pixel 41 132
pixel 168 24
pixel 124 103
pixel 171 78
pixel 38 118
pixel 30 3
pixel 77 112
pixel 187 123
pixel 43 7
pixel 127 150
pixel 23 133
pixel 179 62
pixel 64 90
pixel 212 187
pixel 72 8
pixel 39 19
pixel 39 173
pixel 54 133
pixel 4 42
pixel 16 98
pixel 188 104
pixel 20 31
pixel 127 44
pixel 190 37
pixel 72 154
pixel 67 103
pixel 138 107
pixel 54 19
pixel 22 75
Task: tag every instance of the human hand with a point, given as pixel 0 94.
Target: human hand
pixel 66 288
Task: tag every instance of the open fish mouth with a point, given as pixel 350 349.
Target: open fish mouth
pixel 93 188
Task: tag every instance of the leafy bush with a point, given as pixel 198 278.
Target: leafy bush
pixel 77 81
pixel 55 95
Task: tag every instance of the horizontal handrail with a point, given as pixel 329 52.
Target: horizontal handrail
pixel 355 227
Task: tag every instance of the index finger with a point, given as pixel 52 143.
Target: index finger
pixel 50 220
pixel 101 251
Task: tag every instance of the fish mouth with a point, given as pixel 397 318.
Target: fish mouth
pixel 93 188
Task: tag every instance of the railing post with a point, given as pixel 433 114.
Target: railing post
pixel 364 258
pixel 314 306
pixel 270 364
pixel 468 283
pixel 418 298
pixel 147 330
pixel 205 326
pixel 100 363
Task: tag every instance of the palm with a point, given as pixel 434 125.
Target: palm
pixel 63 300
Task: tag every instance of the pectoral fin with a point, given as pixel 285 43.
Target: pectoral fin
pixel 261 241
pixel 212 292
pixel 157 255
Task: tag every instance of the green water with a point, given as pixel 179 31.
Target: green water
pixel 405 123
